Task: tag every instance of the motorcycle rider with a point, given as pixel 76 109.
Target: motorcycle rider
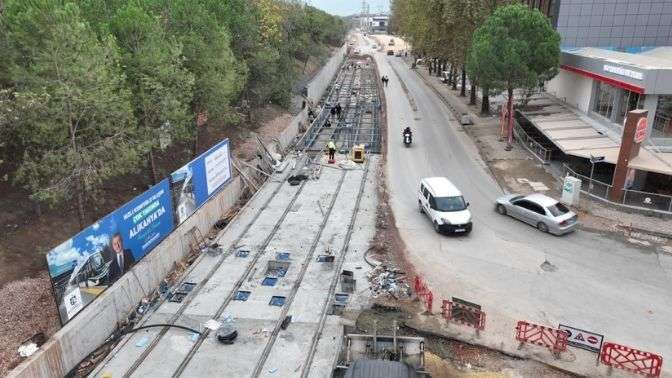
pixel 407 130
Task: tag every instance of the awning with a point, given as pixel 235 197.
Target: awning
pixel 575 135
pixel 651 161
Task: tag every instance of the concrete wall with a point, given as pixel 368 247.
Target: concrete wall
pixel 93 325
pixel 571 88
pixel 322 80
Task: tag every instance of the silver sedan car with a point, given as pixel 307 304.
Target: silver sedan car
pixel 540 211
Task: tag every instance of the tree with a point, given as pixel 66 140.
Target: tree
pixel 206 48
pixel 514 48
pixel 162 87
pixel 75 119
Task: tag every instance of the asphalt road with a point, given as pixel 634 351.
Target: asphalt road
pixel 600 283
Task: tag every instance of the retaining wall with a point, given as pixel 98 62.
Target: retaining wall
pixel 321 81
pixel 93 325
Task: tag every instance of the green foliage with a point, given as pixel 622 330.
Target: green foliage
pixel 74 112
pixel 89 89
pixel 515 47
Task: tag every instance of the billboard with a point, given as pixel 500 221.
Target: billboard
pixel 82 267
pixel 193 184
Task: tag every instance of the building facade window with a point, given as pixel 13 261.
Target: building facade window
pixel 628 101
pixel 604 99
pixel 662 121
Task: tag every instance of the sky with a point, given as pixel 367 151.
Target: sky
pixel 348 7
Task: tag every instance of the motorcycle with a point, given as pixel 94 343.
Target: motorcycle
pixel 407 139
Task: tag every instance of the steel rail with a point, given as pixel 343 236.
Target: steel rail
pixel 334 280
pixel 297 283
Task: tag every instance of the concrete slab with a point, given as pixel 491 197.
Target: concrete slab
pixel 237 360
pixel 295 235
pixel 326 355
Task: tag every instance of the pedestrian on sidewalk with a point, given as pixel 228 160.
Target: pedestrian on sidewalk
pixel 333 112
pixel 331 146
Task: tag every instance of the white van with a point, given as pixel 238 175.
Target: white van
pixel 444 205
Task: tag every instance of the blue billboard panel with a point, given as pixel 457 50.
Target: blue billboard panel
pixel 85 265
pixel 197 181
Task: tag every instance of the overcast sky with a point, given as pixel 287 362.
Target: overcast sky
pixel 348 7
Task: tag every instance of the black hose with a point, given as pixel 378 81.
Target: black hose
pixel 162 325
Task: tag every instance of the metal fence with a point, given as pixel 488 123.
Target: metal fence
pixel 631 198
pixel 646 200
pixel 590 186
pixel 541 152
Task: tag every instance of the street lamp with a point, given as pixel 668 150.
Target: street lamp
pixel 593 160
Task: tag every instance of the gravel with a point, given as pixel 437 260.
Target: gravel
pixel 26 308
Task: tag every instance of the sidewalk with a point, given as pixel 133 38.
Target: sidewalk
pixel 517 171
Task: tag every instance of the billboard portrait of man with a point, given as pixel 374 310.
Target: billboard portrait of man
pixel 121 259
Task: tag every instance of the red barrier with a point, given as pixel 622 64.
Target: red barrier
pixel 551 338
pixel 467 315
pixel 422 291
pixel 632 360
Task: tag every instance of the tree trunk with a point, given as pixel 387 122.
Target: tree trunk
pixel 79 182
pixel 153 175
pixel 463 90
pixel 81 214
pixel 196 144
pixel 454 78
pixel 472 94
pixel 485 102
pixel 509 121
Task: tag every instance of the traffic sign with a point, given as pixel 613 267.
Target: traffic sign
pixel 640 131
pixel 582 339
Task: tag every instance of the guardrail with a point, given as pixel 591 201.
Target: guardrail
pixel 631 198
pixel 540 152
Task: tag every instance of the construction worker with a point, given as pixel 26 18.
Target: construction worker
pixel 331 146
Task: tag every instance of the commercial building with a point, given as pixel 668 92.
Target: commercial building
pixel 616 57
pixel 625 25
pixel 375 23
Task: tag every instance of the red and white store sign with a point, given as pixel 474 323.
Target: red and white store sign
pixel 640 131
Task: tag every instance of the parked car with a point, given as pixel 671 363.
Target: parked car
pixel 444 205
pixel 540 211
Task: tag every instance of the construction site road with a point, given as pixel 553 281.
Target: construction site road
pixel 286 228
pixel 591 281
